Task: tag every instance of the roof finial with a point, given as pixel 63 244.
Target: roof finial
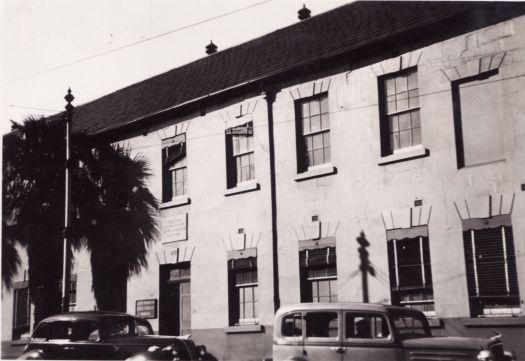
pixel 211 48
pixel 304 13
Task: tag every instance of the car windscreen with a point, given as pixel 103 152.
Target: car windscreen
pixel 409 324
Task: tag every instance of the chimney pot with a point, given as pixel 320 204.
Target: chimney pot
pixel 304 13
pixel 211 48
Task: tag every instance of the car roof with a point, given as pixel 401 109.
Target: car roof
pixel 87 315
pixel 353 306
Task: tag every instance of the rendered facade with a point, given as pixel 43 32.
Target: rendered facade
pixel 391 171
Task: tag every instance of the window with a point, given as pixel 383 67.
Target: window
pixel 61 331
pixel 318 275
pixel 174 173
pixel 322 324
pixel 86 331
pixel 478 110
pixel 244 291
pixel 72 291
pixel 491 271
pixel 410 273
pixel 292 325
pixel 239 153
pixel 21 309
pixel 399 109
pixel 313 132
pixel 42 332
pixel 359 325
pixel 409 324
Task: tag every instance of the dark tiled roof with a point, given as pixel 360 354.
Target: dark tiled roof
pixel 336 32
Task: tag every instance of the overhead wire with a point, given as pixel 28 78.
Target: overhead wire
pixel 141 41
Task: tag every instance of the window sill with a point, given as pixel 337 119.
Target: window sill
pixel 408 154
pixel 244 329
pixel 502 321
pixel 176 202
pixel 320 171
pixel 243 188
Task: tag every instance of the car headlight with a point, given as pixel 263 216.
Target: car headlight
pixel 485 355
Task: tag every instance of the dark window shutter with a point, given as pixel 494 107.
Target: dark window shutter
pixel 231 171
pixel 391 264
pixel 511 262
pixel 426 259
pixel 383 118
pixel 490 262
pixel 166 178
pixel 21 316
pixel 490 266
pixel 302 164
pixel 409 263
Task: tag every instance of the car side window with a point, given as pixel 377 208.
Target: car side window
pixel 292 325
pixel 61 330
pixel 363 325
pixel 42 332
pixel 87 331
pixel 322 324
pixel 143 328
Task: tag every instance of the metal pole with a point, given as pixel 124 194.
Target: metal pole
pixel 270 99
pixel 66 262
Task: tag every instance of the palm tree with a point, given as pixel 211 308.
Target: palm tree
pixel 33 207
pixel 114 212
pixel 117 220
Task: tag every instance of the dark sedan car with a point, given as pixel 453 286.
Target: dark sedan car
pixel 101 335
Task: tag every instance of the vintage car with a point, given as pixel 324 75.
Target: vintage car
pixel 359 332
pixel 103 335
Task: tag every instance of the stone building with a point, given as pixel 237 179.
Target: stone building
pixel 375 152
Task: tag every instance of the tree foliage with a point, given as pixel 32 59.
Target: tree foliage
pixel 113 217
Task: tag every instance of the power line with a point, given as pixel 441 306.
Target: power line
pixel 33 108
pixel 141 41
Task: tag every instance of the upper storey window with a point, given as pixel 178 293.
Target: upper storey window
pixel 174 173
pixel 399 107
pixel 313 132
pixel 240 155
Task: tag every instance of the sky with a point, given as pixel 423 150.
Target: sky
pixel 48 46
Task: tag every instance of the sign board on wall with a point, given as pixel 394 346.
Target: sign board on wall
pixel 174 227
pixel 146 308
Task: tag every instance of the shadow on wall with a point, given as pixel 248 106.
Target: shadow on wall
pixel 365 265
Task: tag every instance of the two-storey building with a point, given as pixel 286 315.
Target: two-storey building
pixel 375 152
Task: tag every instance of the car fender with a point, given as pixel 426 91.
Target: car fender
pixel 35 354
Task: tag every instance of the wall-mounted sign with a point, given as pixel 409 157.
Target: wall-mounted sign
pixel 174 227
pixel 146 308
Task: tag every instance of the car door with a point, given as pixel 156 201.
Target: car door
pixel 87 341
pixel 368 336
pixel 323 335
pixel 59 345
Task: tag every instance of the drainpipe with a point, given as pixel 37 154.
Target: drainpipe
pixel 270 99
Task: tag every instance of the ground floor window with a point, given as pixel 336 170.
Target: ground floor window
pixel 21 309
pixel 318 275
pixel 492 279
pixel 411 274
pixel 243 291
